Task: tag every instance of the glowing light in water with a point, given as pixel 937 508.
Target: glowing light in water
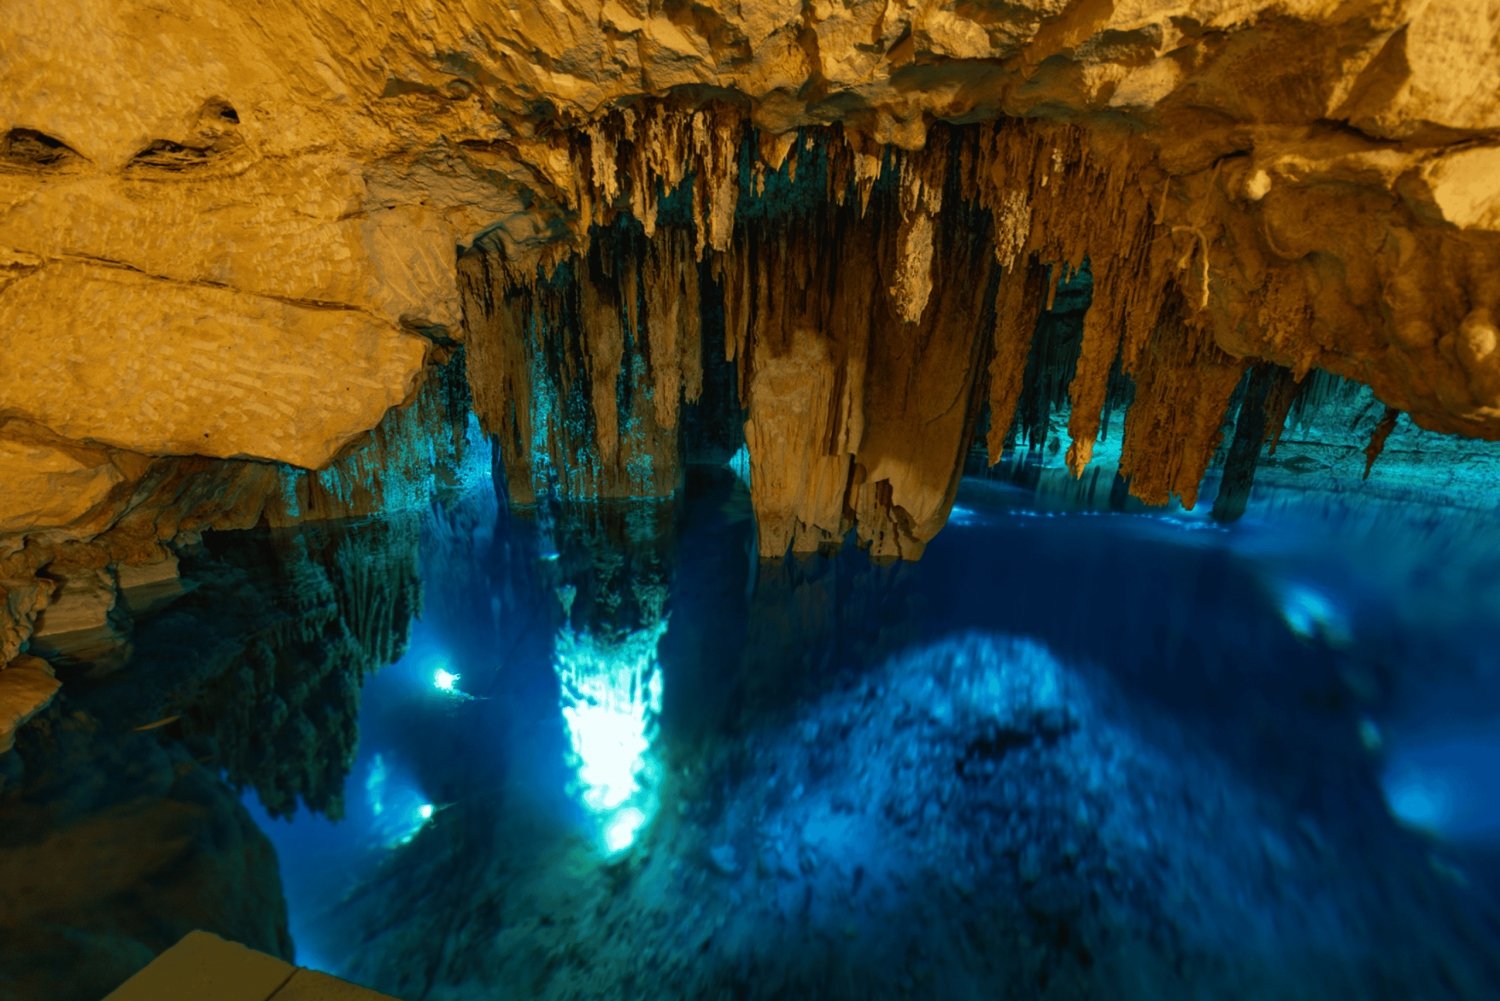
pixel 397 807
pixel 1446 782
pixel 611 695
pixel 444 680
pixel 1310 613
pixel 739 462
pixel 621 830
pixel 961 516
pixel 1418 798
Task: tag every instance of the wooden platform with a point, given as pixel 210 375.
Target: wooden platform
pixel 204 967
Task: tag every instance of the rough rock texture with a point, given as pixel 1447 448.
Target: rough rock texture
pixel 75 601
pixel 115 846
pixel 26 688
pixel 230 231
pixel 258 669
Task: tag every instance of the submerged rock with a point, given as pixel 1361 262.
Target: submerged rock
pixel 114 848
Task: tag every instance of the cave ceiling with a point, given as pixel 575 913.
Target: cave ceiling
pixel 243 231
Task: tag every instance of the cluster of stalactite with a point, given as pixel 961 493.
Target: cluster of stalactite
pixel 258 668
pixel 874 303
pixel 282 715
pixel 580 375
pixel 419 452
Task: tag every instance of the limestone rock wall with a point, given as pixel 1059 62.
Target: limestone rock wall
pixel 232 231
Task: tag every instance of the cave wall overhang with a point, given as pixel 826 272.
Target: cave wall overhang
pixel 230 231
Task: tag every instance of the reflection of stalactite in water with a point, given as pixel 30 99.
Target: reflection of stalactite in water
pixel 611 686
pixel 260 666
pixel 350 596
pixel 379 590
pixel 612 571
pixel 114 846
pixel 616 558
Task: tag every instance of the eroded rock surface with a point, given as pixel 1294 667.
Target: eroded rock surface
pixel 234 231
pixel 27 686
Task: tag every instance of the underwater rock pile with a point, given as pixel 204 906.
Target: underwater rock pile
pixel 113 849
pixel 972 819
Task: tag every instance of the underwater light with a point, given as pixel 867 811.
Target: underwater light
pixel 739 463
pixel 622 828
pixel 444 680
pixel 610 745
pixel 1418 798
pixel 611 697
pixel 398 808
pixel 1311 614
pixel 1446 781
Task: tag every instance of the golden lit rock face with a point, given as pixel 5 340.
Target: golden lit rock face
pixel 26 687
pixel 223 226
pixel 51 484
pixel 201 376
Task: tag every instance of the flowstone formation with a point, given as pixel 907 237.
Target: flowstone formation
pixel 235 237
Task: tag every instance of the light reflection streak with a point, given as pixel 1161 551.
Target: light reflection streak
pixel 611 691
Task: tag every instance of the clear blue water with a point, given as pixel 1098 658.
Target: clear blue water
pixel 1068 754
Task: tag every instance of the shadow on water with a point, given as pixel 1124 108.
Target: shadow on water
pixel 1063 756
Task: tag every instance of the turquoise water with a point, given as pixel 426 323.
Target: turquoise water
pixel 1068 754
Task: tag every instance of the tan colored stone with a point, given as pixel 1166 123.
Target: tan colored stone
pixel 203 965
pixel 251 201
pixel 166 367
pixel 21 600
pixel 310 985
pixel 1465 186
pixel 47 487
pixel 26 688
pixel 148 586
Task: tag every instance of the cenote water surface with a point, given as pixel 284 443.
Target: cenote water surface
pixel 1067 754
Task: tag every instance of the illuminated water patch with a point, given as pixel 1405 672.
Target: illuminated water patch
pixel 611 698
pixel 1311 613
pixel 739 463
pixel 398 810
pixel 1446 782
pixel 962 516
pixel 1418 798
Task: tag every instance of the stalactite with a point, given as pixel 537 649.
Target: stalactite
pixel 1279 406
pixel 580 374
pixel 495 318
pixel 675 350
pixel 418 451
pixel 1018 302
pixel 1183 385
pixel 864 288
pixel 1053 357
pixel 1378 436
pixel 861 359
pixel 1257 407
pixel 1060 195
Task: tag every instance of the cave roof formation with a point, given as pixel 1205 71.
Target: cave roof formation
pixel 242 232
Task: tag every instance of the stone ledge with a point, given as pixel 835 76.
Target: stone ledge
pixel 204 967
